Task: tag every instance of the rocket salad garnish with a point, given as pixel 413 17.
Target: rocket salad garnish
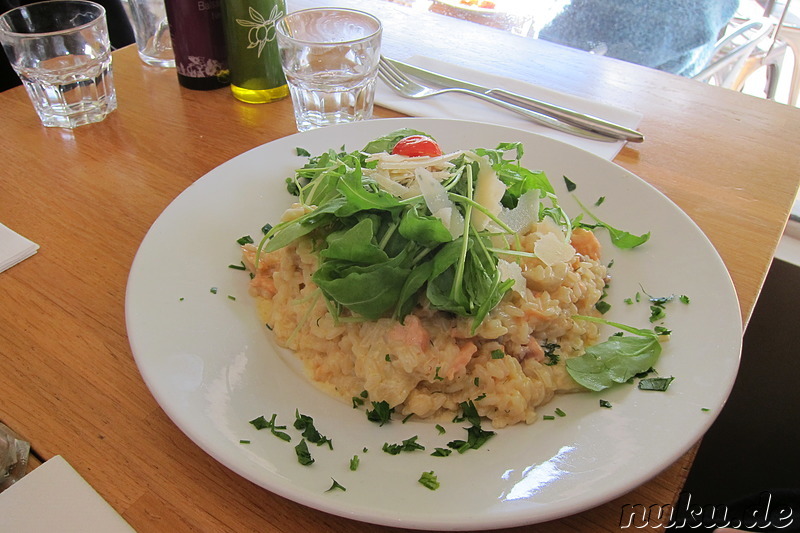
pixel 378 252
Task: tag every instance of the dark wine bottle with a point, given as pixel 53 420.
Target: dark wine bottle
pixel 198 41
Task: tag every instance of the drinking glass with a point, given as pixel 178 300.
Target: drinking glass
pixel 61 52
pixel 149 21
pixel 330 59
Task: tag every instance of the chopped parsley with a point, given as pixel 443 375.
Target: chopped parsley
pixel 388 358
pixel 266 228
pixel 302 152
pixel 605 403
pixel 305 424
pixel 354 462
pixel 602 306
pixel 429 480
pixel 476 437
pixel 436 376
pixel 441 452
pixel 408 445
pixel 380 413
pixel 247 239
pixel 262 423
pixel 550 353
pixel 231 297
pixel 570 184
pixel 336 486
pixel 498 354
pixel 359 400
pixel 214 290
pixel 656 384
pixel 600 201
pixel 683 298
pixel 303 455
pixel 657 313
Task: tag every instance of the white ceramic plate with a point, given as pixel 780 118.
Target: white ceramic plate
pixel 211 365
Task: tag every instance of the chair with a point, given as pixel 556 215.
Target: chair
pixel 745 47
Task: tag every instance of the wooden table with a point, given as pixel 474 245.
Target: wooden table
pixel 69 383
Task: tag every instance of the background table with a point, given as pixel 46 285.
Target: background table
pixel 69 383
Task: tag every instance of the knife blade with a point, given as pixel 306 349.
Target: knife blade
pixel 583 120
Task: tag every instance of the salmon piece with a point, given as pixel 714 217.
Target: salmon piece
pixel 465 353
pixel 585 243
pixel 410 333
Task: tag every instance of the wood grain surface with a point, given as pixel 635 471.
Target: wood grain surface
pixel 88 196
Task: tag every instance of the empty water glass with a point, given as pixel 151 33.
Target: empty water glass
pixel 149 21
pixel 61 52
pixel 330 59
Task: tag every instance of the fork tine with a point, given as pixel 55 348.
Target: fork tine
pixel 389 76
pixel 392 69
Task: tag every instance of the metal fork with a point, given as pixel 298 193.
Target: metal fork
pixel 408 88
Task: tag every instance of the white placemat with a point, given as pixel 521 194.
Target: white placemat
pixel 54 497
pixel 14 248
pixel 466 107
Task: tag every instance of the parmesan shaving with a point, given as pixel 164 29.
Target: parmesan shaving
pixel 439 203
pixel 513 271
pixel 551 250
pixel 525 214
pixel 489 190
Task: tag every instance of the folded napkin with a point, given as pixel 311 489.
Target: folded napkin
pixel 462 106
pixel 54 497
pixel 14 248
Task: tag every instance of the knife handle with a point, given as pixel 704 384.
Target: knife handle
pixel 582 120
pixel 541 118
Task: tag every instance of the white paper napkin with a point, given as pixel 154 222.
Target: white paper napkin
pixel 14 248
pixel 466 107
pixel 54 497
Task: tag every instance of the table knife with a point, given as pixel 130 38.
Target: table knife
pixel 570 116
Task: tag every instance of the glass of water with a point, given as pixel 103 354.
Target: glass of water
pixel 330 59
pixel 61 52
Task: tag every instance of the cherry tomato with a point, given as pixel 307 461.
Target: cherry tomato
pixel 417 146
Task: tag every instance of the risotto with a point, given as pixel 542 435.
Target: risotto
pixel 506 352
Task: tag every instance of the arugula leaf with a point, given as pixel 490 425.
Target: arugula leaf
pixel 427 230
pixel 616 360
pixel 619 238
pixel 356 244
pixel 367 290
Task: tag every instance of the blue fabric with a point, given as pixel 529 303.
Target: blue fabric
pixel 676 36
